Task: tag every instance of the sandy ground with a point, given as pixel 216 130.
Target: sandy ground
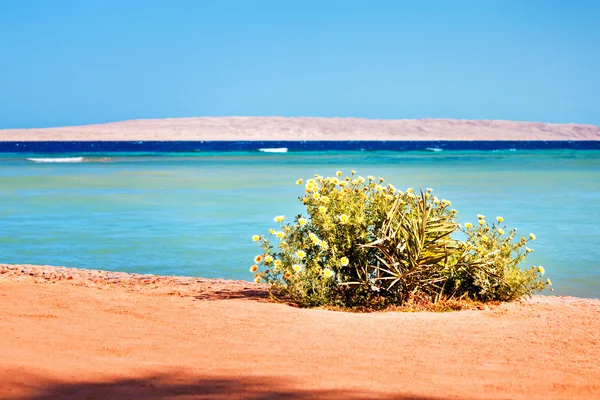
pixel 72 334
pixel 305 128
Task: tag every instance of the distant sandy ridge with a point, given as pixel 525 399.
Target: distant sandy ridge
pixel 306 128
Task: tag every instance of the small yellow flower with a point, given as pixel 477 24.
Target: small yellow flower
pixel 311 181
pixel 371 177
pixel 280 235
pixel 324 244
pixel 482 222
pixel 297 267
pixel 436 200
pixel 484 238
pixel 344 261
pixel 286 275
pixel 480 216
pixel 454 210
pixel 277 263
pixel 279 218
pixel 268 259
pixel 528 250
pixel 429 190
pixel 335 180
pixel 316 195
pixel 381 180
pixel 499 219
pixel 257 278
pixel 410 190
pixel 343 183
pixel 338 173
pixel 255 238
pixel 532 236
pixel 501 231
pixel 322 209
pixel 541 270
pixel 355 182
pixel 344 218
pixel 353 172
pixel 325 199
pixel 300 254
pixel 302 221
pixel 254 268
pixel 447 203
pixel 361 179
pixel 310 186
pixel 327 273
pixel 258 259
pixel 272 231
pixel 548 282
pixel 299 182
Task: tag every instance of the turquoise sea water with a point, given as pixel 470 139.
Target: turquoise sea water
pixel 194 214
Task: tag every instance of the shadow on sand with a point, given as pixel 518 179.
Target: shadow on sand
pixel 178 387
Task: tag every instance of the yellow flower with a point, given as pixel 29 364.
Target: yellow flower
pixel 311 181
pixel 257 279
pixel 447 203
pixel 454 210
pixel 410 190
pixel 279 218
pixel 501 231
pixel 355 181
pixel 392 188
pixel 255 238
pixel 371 177
pixel 302 221
pixel 325 199
pixel 258 259
pixel 343 183
pixel 272 231
pixel 322 209
pixel 361 179
pixel 541 270
pixel 299 182
pixel 286 275
pixel 499 219
pixel 353 172
pixel 484 238
pixel 300 254
pixel 277 263
pixel 523 240
pixel 323 244
pixel 429 190
pixel 268 259
pixel 548 282
pixel 310 186
pixel 253 268
pixel 436 200
pixel 528 250
pixel 316 195
pixel 482 222
pixel 327 273
pixel 480 216
pixel 297 267
pixel 314 238
pixel 335 180
pixel 531 236
pixel 344 218
pixel 338 173
pixel 381 180
pixel 344 261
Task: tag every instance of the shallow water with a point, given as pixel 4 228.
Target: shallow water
pixel 194 214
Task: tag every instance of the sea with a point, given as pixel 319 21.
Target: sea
pixel 193 213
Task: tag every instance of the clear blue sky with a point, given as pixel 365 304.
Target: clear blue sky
pixel 93 61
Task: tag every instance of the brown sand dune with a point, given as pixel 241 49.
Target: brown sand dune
pixel 304 128
pixel 73 334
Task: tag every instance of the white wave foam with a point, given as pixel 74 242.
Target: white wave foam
pixel 274 150
pixel 57 160
pixel 433 149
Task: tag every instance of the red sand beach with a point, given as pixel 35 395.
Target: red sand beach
pixel 77 334
pixel 305 128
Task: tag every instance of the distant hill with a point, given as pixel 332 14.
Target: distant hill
pixel 307 128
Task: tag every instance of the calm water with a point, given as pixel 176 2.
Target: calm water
pixel 194 214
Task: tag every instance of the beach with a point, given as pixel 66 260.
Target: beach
pixel 73 334
pixel 305 128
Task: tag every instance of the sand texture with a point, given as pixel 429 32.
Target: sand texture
pixel 76 334
pixel 301 128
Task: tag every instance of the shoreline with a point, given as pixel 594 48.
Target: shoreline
pixel 306 129
pixel 167 284
pixel 73 334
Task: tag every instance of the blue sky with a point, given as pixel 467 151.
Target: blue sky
pixel 87 61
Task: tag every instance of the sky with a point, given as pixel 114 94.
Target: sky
pixel 94 61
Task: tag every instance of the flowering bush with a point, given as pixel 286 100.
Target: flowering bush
pixel 363 243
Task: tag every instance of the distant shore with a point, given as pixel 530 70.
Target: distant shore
pixel 72 334
pixel 305 128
